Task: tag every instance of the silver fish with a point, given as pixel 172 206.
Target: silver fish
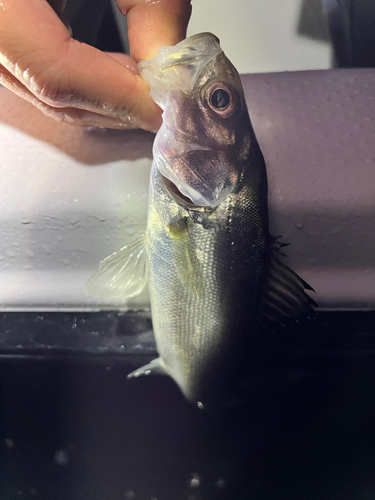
pixel 213 270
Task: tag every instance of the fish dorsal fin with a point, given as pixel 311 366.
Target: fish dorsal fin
pixel 284 291
pixel 121 275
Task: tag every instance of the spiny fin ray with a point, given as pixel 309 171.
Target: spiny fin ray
pixel 284 291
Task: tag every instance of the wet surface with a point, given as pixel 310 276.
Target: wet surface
pixel 72 426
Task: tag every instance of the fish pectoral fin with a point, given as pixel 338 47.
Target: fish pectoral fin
pixel 154 367
pixel 284 292
pixel 122 274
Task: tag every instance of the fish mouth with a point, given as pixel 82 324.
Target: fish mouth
pixel 180 198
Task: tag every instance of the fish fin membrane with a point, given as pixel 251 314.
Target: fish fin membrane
pixel 154 367
pixel 284 293
pixel 121 275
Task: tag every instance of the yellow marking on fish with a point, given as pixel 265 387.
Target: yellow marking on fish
pixel 177 229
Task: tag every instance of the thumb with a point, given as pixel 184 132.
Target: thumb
pixel 154 23
pixel 37 51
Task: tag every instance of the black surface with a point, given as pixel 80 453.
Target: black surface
pixel 72 426
pixel 352 29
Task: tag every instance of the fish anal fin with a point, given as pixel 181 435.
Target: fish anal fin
pixel 121 275
pixel 284 291
pixel 153 367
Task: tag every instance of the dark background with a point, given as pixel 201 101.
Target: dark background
pixel 72 426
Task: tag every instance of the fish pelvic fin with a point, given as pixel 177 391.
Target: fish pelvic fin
pixel 154 367
pixel 284 291
pixel 121 275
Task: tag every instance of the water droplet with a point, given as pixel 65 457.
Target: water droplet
pixel 315 233
pixel 129 495
pixel 15 244
pixel 33 492
pixel 11 253
pixel 2 257
pixel 107 237
pixel 46 248
pixel 129 231
pixel 74 326
pixel 298 224
pixel 200 405
pixel 30 253
pixel 65 261
pixel 194 480
pixel 28 266
pixel 334 231
pixel 19 493
pixel 148 372
pixel 59 237
pixel 9 443
pixel 220 484
pixel 61 457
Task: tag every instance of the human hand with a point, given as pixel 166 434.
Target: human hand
pixel 76 83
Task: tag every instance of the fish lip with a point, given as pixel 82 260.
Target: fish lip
pixel 178 197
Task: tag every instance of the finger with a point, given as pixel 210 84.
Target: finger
pixel 126 61
pixel 72 116
pixel 154 23
pixel 37 49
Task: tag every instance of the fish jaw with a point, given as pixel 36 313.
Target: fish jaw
pixel 201 156
pixel 203 176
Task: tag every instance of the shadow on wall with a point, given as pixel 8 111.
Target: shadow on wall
pixel 88 145
pixel 312 22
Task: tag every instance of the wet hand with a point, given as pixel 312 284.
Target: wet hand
pixel 76 83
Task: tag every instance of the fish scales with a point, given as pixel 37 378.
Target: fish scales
pixel 213 270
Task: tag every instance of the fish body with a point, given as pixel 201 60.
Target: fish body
pixel 213 269
pixel 205 281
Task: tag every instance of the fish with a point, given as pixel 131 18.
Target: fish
pixel 214 272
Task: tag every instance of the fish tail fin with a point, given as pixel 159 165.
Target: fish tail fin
pixel 153 367
pixel 284 291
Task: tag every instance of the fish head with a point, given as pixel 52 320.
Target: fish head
pixel 204 141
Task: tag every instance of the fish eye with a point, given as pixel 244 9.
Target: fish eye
pixel 222 99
